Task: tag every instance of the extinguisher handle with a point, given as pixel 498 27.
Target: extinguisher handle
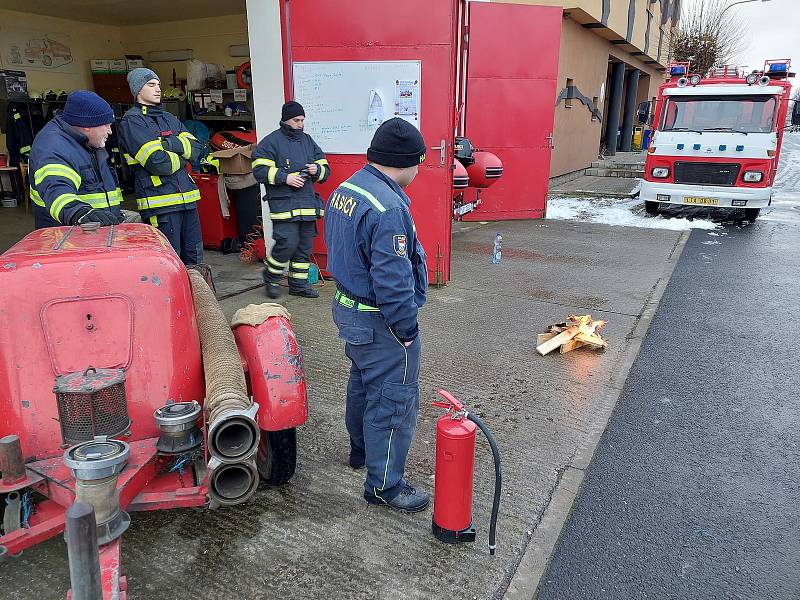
pixel 450 402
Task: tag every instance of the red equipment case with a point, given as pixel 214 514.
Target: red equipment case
pixel 216 227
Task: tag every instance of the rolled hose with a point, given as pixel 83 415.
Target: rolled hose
pixel 498 479
pixel 233 434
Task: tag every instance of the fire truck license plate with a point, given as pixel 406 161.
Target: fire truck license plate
pixel 703 201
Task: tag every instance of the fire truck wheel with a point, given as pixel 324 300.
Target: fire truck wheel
pixel 277 456
pixel 651 207
pixel 751 214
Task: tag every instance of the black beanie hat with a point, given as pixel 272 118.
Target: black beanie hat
pixel 397 143
pixel 291 110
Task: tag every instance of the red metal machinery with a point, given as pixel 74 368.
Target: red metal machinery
pixel 102 338
pixel 218 230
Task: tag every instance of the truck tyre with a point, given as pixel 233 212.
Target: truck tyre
pixel 651 207
pixel 276 458
pixel 751 214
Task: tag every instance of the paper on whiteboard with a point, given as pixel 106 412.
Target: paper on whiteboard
pixel 406 100
pixel 375 114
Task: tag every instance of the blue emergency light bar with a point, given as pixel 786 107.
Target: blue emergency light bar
pixel 677 70
pixel 779 68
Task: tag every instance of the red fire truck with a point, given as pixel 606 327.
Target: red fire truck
pixel 717 139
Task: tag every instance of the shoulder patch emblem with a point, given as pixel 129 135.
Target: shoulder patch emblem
pixel 400 245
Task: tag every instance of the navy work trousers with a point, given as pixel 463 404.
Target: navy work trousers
pixel 293 241
pixel 382 397
pixel 182 228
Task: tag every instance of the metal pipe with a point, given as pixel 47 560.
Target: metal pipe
pixel 84 558
pixel 232 483
pixel 12 465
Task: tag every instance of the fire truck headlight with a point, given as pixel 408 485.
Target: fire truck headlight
pixel 753 176
pixel 695 79
pixel 660 172
pixel 751 79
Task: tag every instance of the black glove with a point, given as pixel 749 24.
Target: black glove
pixel 94 215
pixel 172 144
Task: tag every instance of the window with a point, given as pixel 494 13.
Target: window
pixel 570 93
pixel 595 108
pixel 743 114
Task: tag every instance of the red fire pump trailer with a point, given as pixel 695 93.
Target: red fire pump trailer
pixel 123 386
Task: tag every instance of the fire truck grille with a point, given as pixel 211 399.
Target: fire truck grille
pixel 703 173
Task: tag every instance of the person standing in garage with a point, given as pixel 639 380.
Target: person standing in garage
pixel 157 146
pixel 71 179
pixel 287 162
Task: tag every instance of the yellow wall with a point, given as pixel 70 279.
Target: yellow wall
pixel 208 38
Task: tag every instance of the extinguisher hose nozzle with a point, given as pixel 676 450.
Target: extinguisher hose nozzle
pixel 498 479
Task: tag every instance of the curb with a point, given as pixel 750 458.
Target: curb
pixel 536 557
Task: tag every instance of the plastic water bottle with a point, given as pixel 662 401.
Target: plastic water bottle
pixel 497 249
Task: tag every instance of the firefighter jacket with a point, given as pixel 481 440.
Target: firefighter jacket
pixel 66 174
pixel 19 136
pixel 284 152
pixel 373 251
pixel 156 145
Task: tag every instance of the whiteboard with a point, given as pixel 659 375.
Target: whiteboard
pixel 339 98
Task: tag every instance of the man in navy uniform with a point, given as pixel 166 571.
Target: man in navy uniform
pixel 71 180
pixel 381 280
pixel 157 146
pixel 287 162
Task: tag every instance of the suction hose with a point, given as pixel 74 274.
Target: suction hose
pixel 233 433
pixel 498 479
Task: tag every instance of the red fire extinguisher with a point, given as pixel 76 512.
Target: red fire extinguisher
pixel 455 459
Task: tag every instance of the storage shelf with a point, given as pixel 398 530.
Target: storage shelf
pixel 223 118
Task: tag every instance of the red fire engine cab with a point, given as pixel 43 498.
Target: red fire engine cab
pixel 717 139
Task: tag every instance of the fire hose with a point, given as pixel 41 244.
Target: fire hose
pixel 233 433
pixel 498 479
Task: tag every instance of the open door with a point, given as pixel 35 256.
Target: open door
pixel 512 73
pixel 381 33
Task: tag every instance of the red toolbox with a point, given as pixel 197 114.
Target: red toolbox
pixel 216 227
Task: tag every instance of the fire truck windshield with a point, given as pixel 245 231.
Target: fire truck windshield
pixel 740 114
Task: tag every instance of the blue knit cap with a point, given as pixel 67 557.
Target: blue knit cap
pixel 138 77
pixel 87 109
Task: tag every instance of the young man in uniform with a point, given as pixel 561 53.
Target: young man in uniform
pixel 157 146
pixel 381 280
pixel 287 162
pixel 71 180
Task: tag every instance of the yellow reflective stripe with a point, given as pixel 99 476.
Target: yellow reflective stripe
pixel 37 199
pixel 268 162
pixel 156 180
pixel 280 216
pixel 24 149
pixel 57 170
pixel 364 193
pixel 154 221
pixel 294 275
pixel 274 271
pixel 322 161
pixel 297 266
pixel 17 116
pixel 129 159
pixel 144 110
pixel 350 303
pixel 175 160
pixel 100 200
pixel 295 212
pixel 147 150
pixel 184 137
pixel 321 212
pixel 276 263
pixel 59 203
pixel 168 200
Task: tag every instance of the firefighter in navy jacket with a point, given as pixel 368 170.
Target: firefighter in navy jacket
pixel 70 177
pixel 157 146
pixel 381 279
pixel 287 162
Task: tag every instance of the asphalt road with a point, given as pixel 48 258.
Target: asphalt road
pixel 694 491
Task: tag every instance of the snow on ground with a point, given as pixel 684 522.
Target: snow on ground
pixel 628 213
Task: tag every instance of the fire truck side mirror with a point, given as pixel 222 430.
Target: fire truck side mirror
pixel 643 113
pixel 796 113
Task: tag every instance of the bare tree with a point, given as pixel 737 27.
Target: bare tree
pixel 706 37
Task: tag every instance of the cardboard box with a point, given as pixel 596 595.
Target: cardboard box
pixel 118 66
pixel 13 85
pixel 134 63
pixel 100 65
pixel 235 161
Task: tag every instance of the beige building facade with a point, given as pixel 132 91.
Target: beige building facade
pixel 612 58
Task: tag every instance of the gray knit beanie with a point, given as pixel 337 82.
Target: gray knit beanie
pixel 138 77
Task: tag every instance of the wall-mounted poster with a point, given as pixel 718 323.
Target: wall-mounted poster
pixel 37 51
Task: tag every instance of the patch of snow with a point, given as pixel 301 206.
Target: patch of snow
pixel 627 213
pixel 711 243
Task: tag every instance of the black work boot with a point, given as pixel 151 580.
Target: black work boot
pixel 409 500
pixel 356 460
pixel 307 292
pixel 272 289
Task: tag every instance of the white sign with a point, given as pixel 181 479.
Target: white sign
pixel 37 51
pixel 240 95
pixel 216 96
